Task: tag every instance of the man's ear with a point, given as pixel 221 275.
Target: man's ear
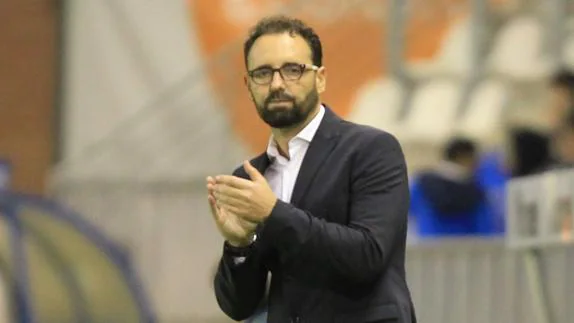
pixel 321 79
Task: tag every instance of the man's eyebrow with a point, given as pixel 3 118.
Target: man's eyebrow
pixel 262 66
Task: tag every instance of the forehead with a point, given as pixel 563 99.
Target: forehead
pixel 277 49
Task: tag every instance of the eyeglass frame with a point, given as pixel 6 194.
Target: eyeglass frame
pixel 303 66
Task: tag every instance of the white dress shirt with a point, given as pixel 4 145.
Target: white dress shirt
pixel 282 172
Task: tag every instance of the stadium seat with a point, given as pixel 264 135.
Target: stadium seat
pixel 454 56
pixel 517 50
pixel 378 104
pixel 483 116
pixel 432 113
pixel 455 53
pixel 568 50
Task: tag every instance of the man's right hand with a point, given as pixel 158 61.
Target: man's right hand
pixel 237 232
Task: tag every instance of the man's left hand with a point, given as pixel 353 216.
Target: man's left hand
pixel 252 200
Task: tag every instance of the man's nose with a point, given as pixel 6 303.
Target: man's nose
pixel 277 81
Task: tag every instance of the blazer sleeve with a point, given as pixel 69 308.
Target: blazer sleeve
pixel 360 251
pixel 240 281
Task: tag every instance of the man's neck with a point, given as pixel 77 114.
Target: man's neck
pixel 282 136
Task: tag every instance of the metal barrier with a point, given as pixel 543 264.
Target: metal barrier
pixel 474 280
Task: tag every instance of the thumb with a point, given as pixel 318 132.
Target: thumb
pixel 252 171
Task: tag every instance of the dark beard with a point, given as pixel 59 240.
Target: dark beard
pixel 288 117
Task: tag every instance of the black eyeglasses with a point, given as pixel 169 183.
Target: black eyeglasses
pixel 289 72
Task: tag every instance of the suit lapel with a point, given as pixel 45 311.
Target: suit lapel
pixel 261 163
pixel 319 149
pixel 316 154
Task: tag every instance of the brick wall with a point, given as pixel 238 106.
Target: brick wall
pixel 28 60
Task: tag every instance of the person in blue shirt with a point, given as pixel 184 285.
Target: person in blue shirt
pixel 448 199
pixel 493 173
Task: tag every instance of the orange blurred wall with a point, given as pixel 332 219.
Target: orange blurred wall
pixel 27 84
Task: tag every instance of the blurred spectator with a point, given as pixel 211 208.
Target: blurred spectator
pixel 493 173
pixel 529 152
pixel 448 200
pixel 561 96
pixel 563 143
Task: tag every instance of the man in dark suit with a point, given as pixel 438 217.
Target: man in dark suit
pixel 324 209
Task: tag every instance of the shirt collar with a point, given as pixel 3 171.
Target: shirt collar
pixel 309 131
pixel 452 171
pixel 305 134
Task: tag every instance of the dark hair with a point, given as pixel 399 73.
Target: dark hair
pixel 568 122
pixel 458 147
pixel 531 151
pixel 283 24
pixel 563 78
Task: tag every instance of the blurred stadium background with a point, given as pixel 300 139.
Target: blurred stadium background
pixel 113 112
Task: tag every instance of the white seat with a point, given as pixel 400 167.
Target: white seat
pixel 432 114
pixel 568 50
pixel 517 50
pixel 483 117
pixel 378 104
pixel 454 56
pixel 569 53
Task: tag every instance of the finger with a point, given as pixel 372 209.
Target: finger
pixel 212 195
pixel 234 210
pixel 233 181
pixel 225 201
pixel 253 173
pixel 242 219
pixel 211 189
pixel 214 208
pixel 230 191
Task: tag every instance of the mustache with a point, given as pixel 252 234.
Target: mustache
pixel 279 96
